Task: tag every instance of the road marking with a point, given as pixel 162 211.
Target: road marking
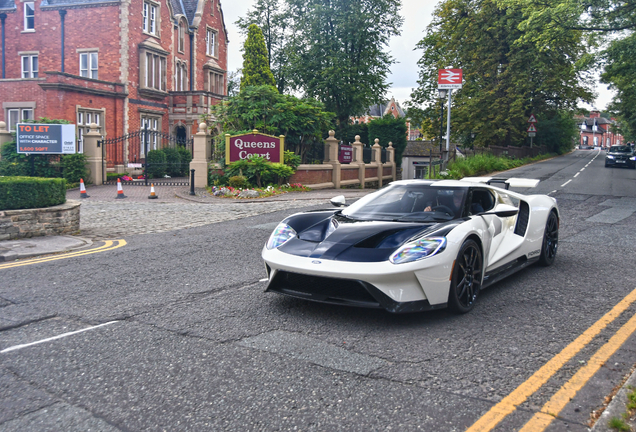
pixel 509 404
pixel 17 347
pixel 552 192
pixel 555 405
pixel 108 245
pixel 263 280
pixel 566 182
pixel 577 174
pixel 582 169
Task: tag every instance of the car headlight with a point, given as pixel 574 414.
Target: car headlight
pixel 280 236
pixel 633 158
pixel 610 157
pixel 418 249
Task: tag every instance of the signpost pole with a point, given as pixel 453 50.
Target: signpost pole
pixel 146 138
pixel 448 119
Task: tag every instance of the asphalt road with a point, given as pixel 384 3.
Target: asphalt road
pixel 178 334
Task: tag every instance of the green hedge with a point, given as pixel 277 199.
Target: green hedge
pixel 31 192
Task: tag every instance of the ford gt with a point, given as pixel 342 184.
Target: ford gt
pixel 414 245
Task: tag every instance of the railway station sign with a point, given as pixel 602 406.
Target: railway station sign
pixel 449 79
pixel 45 138
pixel 253 144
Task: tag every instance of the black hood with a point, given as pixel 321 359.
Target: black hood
pixel 354 240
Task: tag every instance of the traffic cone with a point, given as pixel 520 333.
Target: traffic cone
pixel 152 192
pixel 83 193
pixel 120 191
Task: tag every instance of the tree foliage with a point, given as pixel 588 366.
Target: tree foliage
pixel 302 121
pixel 274 21
pixel 337 51
pixel 620 73
pixel 256 70
pixel 506 77
pixel 389 129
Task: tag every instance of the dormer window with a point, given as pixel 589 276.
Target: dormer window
pixel 29 16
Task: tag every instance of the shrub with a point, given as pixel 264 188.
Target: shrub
pixel 114 176
pixel 282 172
pixel 31 192
pixel 156 164
pixel 291 159
pixel 74 167
pixel 173 161
pixel 186 158
pixel 239 182
pixel 217 178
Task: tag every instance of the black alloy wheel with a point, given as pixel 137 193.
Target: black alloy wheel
pixel 466 281
pixel 550 241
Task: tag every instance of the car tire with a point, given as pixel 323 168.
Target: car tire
pixel 550 241
pixel 466 281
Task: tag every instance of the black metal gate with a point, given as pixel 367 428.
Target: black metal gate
pixel 168 167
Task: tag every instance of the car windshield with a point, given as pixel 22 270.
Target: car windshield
pixel 415 202
pixel 620 149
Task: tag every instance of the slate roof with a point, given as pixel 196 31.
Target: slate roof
pixel 382 109
pixel 420 148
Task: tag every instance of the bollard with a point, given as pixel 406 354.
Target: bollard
pixel 192 182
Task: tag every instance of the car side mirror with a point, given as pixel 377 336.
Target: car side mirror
pixel 503 210
pixel 339 201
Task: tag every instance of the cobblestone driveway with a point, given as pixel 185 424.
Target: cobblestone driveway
pixel 99 220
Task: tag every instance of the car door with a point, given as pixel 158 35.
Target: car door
pixel 500 229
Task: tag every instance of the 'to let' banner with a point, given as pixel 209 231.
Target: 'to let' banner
pixel 247 146
pixel 45 138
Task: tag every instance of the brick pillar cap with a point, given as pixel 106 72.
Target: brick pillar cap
pixel 332 134
pixel 377 142
pixel 3 126
pixel 202 127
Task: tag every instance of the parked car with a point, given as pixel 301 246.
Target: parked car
pixel 620 155
pixel 415 245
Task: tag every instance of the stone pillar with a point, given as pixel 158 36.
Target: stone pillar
pixel 331 146
pixel 377 160
pixel 391 153
pixel 94 156
pixel 200 150
pixel 359 159
pixel 5 135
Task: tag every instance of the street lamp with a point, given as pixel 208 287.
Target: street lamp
pixel 442 97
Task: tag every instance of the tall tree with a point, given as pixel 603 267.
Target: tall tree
pixel 256 70
pixel 274 21
pixel 337 51
pixel 506 77
pixel 620 73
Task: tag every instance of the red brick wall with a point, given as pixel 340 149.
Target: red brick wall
pixel 309 177
pixel 349 174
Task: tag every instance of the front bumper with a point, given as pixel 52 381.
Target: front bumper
pixel 415 286
pixel 624 162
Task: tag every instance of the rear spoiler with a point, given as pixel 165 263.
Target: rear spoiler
pixel 510 182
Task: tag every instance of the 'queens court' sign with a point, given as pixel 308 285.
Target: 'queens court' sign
pixel 247 146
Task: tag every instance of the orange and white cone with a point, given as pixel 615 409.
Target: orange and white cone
pixel 83 193
pixel 120 191
pixel 152 192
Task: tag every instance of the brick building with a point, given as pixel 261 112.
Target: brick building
pixel 597 131
pixel 122 64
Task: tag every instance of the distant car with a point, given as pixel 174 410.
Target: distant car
pixel 621 155
pixel 586 147
pixel 414 245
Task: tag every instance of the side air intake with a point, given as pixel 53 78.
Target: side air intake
pixel 522 219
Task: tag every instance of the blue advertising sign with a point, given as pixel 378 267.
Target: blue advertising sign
pixel 45 138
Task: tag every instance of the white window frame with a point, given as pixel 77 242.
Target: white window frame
pixel 19 115
pixel 92 64
pixel 84 119
pixel 211 43
pixel 150 15
pixel 154 124
pixel 155 71
pixel 28 5
pixel 31 71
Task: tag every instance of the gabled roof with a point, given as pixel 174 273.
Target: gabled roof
pixel 384 108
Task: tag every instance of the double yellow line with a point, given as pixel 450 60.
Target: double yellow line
pixel 107 246
pixel 542 419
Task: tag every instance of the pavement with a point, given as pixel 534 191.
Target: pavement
pixel 104 216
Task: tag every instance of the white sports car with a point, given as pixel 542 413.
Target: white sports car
pixel 414 245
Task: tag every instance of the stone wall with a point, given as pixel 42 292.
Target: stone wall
pixel 25 223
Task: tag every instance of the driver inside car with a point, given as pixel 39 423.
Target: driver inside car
pixel 455 205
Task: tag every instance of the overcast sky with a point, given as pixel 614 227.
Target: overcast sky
pixel 403 75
